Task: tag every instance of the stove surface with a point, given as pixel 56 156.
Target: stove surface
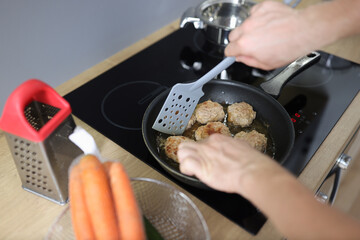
pixel 114 103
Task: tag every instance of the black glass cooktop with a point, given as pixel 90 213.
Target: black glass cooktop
pixel 114 103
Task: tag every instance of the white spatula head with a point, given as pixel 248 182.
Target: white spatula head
pixel 182 100
pixel 177 109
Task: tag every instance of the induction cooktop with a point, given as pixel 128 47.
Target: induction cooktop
pixel 114 102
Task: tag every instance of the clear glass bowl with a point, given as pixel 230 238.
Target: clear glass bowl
pixel 170 211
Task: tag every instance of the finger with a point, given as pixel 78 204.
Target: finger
pixel 190 166
pixel 232 50
pixel 252 62
pixel 235 33
pixel 216 138
pixel 267 6
pixel 187 149
pixel 187 146
pixel 255 8
pixel 242 55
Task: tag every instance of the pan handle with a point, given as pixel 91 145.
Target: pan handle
pixel 274 85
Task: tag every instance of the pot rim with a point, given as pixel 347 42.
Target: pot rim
pixel 247 4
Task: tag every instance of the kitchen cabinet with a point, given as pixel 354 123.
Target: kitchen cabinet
pixel 339 177
pixel 26 216
pixel 348 196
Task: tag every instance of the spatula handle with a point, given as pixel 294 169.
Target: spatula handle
pixel 224 64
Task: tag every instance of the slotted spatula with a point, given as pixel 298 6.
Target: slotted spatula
pixel 182 100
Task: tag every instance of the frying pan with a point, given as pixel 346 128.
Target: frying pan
pixel 269 111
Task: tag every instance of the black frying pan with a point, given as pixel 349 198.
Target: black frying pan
pixel 269 111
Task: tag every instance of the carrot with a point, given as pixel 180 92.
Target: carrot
pixel 130 222
pixel 107 165
pixel 98 198
pixel 79 214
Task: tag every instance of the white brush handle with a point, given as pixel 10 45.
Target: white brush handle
pixel 81 138
pixel 213 72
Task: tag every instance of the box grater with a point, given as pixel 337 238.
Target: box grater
pixel 37 122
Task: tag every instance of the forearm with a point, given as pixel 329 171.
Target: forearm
pixel 330 21
pixel 293 209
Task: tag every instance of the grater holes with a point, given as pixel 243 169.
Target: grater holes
pixel 31 166
pixel 38 114
pixel 37 181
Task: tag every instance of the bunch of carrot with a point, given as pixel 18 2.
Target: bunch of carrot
pixel 102 202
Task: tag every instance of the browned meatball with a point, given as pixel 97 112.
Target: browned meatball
pixel 172 144
pixel 211 128
pixel 255 139
pixel 191 122
pixel 209 111
pixel 241 114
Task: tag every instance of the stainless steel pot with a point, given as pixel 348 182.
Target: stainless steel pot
pixel 217 17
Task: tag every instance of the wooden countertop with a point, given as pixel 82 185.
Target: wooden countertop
pixel 26 216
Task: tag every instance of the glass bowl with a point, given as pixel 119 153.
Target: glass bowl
pixel 170 211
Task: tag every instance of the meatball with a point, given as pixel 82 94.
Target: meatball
pixel 191 122
pixel 210 128
pixel 209 111
pixel 255 139
pixel 241 114
pixel 172 145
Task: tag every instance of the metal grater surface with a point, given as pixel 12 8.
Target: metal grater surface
pixel 32 167
pixel 43 166
pixel 38 114
pixel 37 123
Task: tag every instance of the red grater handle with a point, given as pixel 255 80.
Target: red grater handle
pixel 13 119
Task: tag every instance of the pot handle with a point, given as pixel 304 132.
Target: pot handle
pixel 189 17
pixel 275 84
